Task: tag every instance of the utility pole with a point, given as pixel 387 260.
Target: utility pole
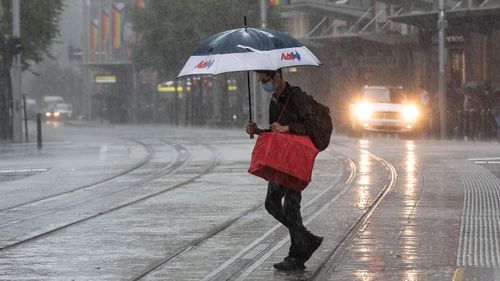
pixel 263 14
pixel 87 84
pixel 263 98
pixel 16 74
pixel 442 58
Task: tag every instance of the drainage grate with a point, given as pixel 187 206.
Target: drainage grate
pixel 479 244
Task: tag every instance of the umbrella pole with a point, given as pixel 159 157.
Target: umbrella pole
pixel 249 100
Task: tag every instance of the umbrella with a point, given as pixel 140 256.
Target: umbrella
pixel 247 49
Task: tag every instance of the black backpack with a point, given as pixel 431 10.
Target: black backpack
pixel 321 129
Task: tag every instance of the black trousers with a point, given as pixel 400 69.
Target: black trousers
pixel 287 212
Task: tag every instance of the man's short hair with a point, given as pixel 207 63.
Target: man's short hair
pixel 270 73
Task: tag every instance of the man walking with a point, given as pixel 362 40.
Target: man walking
pixel 289 111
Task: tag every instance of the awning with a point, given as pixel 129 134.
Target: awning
pixel 477 19
pixel 362 38
pixel 324 8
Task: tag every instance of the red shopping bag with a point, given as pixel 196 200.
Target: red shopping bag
pixel 284 159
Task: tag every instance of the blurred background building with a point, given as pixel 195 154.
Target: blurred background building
pixel 360 42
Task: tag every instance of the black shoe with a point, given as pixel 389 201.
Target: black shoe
pixel 290 263
pixel 313 245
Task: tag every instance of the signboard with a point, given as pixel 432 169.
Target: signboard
pixel 166 88
pixel 105 79
pixel 171 88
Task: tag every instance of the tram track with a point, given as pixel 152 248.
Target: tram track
pixel 139 164
pixel 234 269
pixel 336 254
pixel 322 201
pixel 172 168
pixel 348 175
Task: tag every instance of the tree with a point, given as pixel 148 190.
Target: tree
pixel 39 26
pixel 171 29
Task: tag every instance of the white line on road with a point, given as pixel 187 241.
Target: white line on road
pixel 484 159
pixel 23 171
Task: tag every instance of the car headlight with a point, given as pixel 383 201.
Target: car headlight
pixel 363 111
pixel 56 114
pixel 410 112
pixel 47 114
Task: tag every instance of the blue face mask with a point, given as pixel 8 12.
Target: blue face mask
pixel 269 87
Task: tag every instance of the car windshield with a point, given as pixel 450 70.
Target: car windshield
pixel 384 95
pixel 63 107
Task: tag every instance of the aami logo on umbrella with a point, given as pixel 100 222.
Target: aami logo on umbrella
pixel 290 56
pixel 205 64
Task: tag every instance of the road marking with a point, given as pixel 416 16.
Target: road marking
pixel 487 162
pixel 23 171
pixel 484 159
pixel 253 253
pixel 103 152
pixel 479 227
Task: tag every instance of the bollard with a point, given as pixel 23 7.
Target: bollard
pixel 39 130
pixel 25 118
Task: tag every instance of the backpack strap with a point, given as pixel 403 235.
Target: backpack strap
pixel 284 107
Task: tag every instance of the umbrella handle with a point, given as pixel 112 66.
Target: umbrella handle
pixel 249 96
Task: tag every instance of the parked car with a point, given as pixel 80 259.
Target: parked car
pixel 382 108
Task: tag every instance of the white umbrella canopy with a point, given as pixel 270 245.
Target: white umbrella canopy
pixel 247 49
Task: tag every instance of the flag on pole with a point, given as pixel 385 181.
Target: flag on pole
pixel 274 2
pixel 117 22
pixel 140 4
pixel 104 30
pixel 278 2
pixel 94 37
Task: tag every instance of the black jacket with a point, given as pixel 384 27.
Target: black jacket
pixel 298 113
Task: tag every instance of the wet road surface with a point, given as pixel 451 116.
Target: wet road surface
pixel 163 203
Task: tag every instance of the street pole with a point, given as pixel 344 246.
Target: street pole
pixel 263 14
pixel 442 82
pixel 16 75
pixel 86 59
pixel 25 119
pixel 262 101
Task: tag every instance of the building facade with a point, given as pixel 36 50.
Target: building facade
pixel 394 42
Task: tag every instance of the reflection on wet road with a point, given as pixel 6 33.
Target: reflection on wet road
pixel 414 235
pixel 389 209
pixel 363 198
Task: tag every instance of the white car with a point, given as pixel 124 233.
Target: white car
pixel 385 109
pixel 61 111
